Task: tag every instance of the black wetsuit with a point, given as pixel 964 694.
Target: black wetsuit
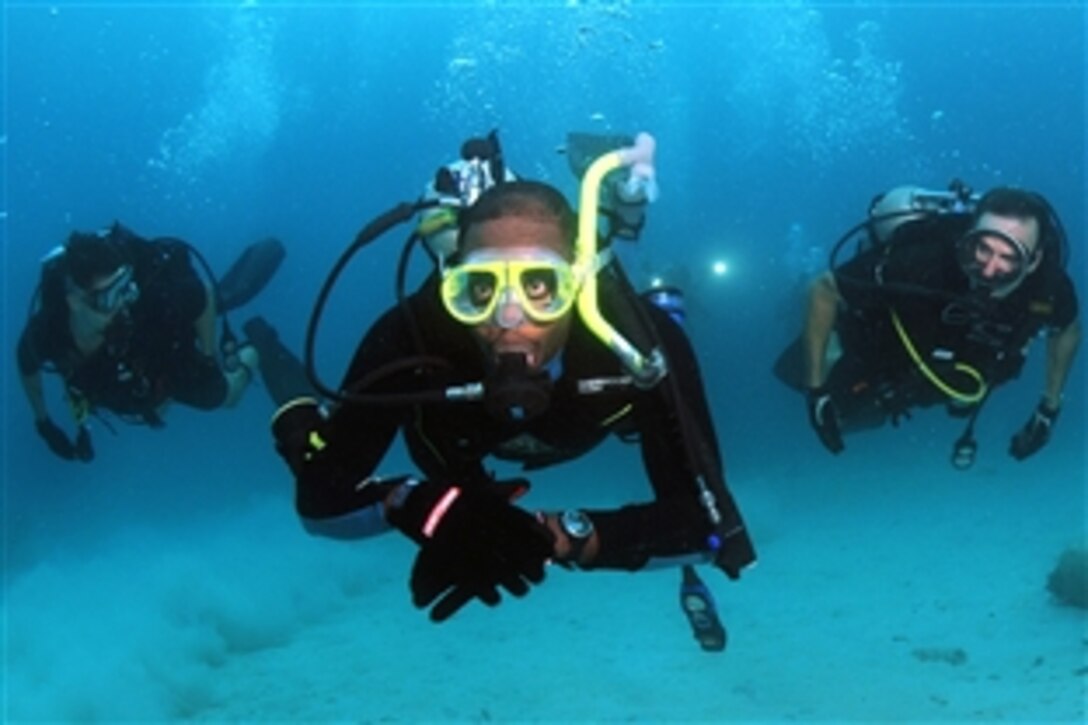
pixel 450 441
pixel 150 354
pixel 919 278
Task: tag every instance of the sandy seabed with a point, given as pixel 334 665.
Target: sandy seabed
pixel 898 598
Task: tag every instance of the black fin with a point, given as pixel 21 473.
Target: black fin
pixel 281 370
pixel 250 273
pixel 790 366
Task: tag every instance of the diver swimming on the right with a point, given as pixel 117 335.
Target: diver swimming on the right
pixel 938 306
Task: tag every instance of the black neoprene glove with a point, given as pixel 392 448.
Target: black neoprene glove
pixel 824 418
pixel 1035 433
pixel 61 446
pixel 472 542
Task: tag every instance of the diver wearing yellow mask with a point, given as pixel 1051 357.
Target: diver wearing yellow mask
pixel 505 323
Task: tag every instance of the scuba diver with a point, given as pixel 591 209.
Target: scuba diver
pixel 622 211
pixel 938 306
pixel 129 326
pixel 527 344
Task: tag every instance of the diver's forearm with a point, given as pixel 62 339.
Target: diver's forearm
pixel 205 324
pixel 1061 350
pixel 819 322
pixel 666 533
pixel 32 385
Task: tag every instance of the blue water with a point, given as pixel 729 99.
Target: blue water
pixel 226 123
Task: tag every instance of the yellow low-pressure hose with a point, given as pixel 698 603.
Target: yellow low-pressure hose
pixel 927 372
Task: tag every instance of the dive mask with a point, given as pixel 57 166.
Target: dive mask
pixel 120 290
pixel 991 258
pixel 537 284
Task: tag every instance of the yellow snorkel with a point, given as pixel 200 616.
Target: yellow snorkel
pixel 646 370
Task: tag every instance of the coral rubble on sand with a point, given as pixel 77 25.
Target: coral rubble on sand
pixel 1069 580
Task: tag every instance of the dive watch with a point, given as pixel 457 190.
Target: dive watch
pixel 578 527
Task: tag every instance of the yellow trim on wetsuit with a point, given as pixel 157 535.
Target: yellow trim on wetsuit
pixel 314 440
pixel 617 415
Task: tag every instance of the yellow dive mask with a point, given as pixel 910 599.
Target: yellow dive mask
pixel 508 286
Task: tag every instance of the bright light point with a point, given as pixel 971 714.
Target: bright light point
pixel 656 282
pixel 720 268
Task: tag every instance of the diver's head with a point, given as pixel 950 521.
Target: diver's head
pixel 1007 241
pixel 99 279
pixel 512 279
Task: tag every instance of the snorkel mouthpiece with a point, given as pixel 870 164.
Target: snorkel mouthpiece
pixel 642 177
pixel 645 370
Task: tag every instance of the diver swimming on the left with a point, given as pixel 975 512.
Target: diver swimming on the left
pixel 129 326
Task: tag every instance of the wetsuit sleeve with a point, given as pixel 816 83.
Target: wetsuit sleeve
pixel 1066 307
pixel 175 283
pixel 174 297
pixel 680 452
pixel 197 381
pixel 27 352
pixel 856 280
pixel 335 480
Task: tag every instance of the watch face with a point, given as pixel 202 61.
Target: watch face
pixel 576 524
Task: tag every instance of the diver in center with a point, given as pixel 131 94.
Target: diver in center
pixel 527 344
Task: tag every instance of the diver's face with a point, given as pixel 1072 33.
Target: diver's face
pixel 996 259
pixel 89 315
pixel 510 330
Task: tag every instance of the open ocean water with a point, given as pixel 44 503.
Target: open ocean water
pixel 170 578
